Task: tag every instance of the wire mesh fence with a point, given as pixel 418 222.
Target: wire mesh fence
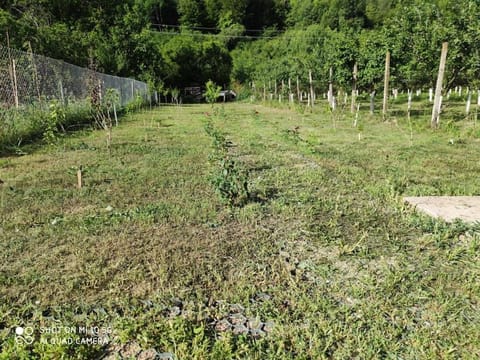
pixel 26 78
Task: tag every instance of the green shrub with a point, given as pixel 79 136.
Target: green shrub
pixel 212 92
pixel 231 182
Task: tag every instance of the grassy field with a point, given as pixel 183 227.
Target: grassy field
pixel 321 260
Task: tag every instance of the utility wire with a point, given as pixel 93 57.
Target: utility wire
pixel 212 28
pixel 256 37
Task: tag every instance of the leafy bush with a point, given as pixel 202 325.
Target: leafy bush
pixel 212 92
pixel 231 182
pixel 54 120
pixel 228 176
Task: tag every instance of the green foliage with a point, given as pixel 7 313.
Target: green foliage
pixel 315 35
pixel 337 34
pixel 55 119
pixel 112 98
pixel 194 60
pixel 229 177
pixel 135 104
pixel 212 92
pixel 231 182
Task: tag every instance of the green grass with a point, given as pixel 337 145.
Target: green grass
pixel 324 247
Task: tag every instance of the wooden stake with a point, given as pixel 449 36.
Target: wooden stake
pixel 469 101
pixel 62 96
pixel 355 122
pixel 372 102
pixel 79 177
pixel 115 114
pixel 354 88
pixel 35 71
pixel 409 104
pixel 11 68
pixel 438 88
pixel 385 86
pixel 330 87
pixel 290 89
pixel 298 91
pixel 312 95
pixel 15 87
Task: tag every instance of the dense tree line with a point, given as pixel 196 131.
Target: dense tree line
pixel 337 34
pixel 175 43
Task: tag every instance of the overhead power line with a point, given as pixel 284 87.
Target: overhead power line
pixel 167 26
pixel 225 36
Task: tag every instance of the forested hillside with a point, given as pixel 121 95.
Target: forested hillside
pixel 175 43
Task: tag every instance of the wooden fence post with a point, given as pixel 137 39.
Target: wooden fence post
pixel 469 101
pixel 372 102
pixel 385 86
pixel 15 84
pixel 330 86
pixel 354 88
pixel 79 177
pixel 299 96
pixel 35 71
pixel 290 90
pixel 312 96
pixel 409 104
pixel 62 95
pixel 438 89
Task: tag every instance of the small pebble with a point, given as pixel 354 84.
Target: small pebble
pixel 174 311
pixel 261 296
pixel 236 308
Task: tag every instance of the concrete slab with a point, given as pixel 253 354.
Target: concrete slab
pixel 449 208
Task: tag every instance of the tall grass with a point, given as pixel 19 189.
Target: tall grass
pixel 28 123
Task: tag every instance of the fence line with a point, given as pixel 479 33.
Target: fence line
pixel 26 78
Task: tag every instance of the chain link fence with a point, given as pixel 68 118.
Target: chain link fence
pixel 26 78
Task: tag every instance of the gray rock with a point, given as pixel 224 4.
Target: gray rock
pixel 223 325
pixel 237 319
pixel 268 326
pixel 257 333
pixel 131 349
pixel 303 265
pixel 240 329
pixel 261 296
pixel 165 356
pixel 149 354
pixel 254 323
